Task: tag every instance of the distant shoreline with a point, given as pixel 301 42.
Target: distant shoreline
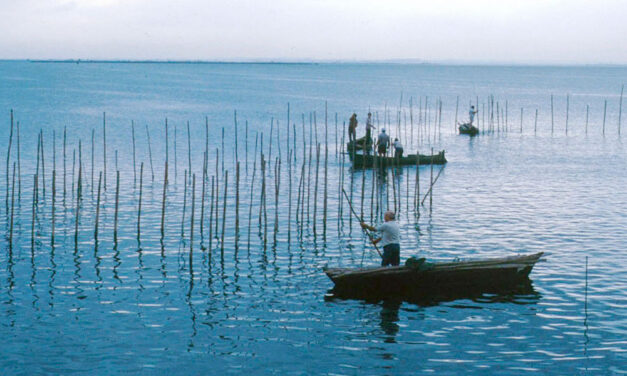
pixel 320 62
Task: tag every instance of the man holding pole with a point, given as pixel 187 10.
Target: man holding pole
pixel 390 239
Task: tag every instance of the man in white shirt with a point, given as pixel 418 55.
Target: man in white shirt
pixel 390 239
pixel 471 114
pixel 398 149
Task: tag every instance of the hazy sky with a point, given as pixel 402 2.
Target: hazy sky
pixel 531 31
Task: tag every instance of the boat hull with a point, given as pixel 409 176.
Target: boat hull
pixel 491 274
pixel 369 161
pixel 468 129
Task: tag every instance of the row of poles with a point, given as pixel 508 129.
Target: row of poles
pixel 428 126
pixel 312 196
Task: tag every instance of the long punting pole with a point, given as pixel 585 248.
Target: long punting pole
pixel 350 205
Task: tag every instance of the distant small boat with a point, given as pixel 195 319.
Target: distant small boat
pixel 371 160
pixel 468 129
pixel 440 276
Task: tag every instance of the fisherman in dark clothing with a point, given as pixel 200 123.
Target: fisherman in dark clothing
pixel 352 128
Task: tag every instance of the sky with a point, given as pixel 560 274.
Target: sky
pixel 454 31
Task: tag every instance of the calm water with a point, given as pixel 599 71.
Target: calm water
pixel 240 306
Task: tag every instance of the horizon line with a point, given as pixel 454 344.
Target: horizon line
pixel 399 61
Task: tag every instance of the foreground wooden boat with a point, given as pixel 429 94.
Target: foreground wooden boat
pixel 468 129
pixel 440 277
pixel 369 160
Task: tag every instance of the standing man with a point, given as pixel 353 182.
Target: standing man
pixel 369 128
pixel 390 239
pixel 352 128
pixel 398 149
pixel 471 114
pixel 383 142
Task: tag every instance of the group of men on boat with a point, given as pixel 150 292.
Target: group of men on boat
pixel 366 143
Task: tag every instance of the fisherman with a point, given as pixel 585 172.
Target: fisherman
pixel 471 114
pixel 352 128
pixel 398 149
pixel 390 239
pixel 383 142
pixel 369 128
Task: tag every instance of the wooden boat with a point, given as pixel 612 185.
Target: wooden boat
pixel 369 160
pixel 439 277
pixel 468 129
pixel 359 144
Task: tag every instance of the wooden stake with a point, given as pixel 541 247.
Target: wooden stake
pixel 13 209
pixel 552 119
pixel 104 149
pixel 117 205
pixel 139 205
pixel 152 170
pixel 226 188
pixel 34 212
pixel 165 186
pixel 97 210
pixel 8 159
pixel 54 198
pixel 604 115
pixel 191 226
pixel 184 205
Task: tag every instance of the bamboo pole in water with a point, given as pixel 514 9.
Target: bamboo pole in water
pixel 13 209
pixel 104 148
pixel 315 198
pixel 165 186
pixel 521 120
pixel 19 168
pixel 252 188
pixel 277 185
pixel 176 164
pixel 289 195
pixel 431 185
pixel 535 123
pixel 604 115
pixel 184 204
pixel 236 201
pixel 64 164
pixel 326 168
pixel 78 199
pixel 191 226
pixel 8 160
pixel 54 199
pixel 34 212
pixel 139 204
pixel 211 213
pixel 93 138
pixel 552 118
pixel 202 199
pixel 43 166
pixel 152 170
pixel 117 206
pixel 226 188
pixel 97 210
pixel 217 187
